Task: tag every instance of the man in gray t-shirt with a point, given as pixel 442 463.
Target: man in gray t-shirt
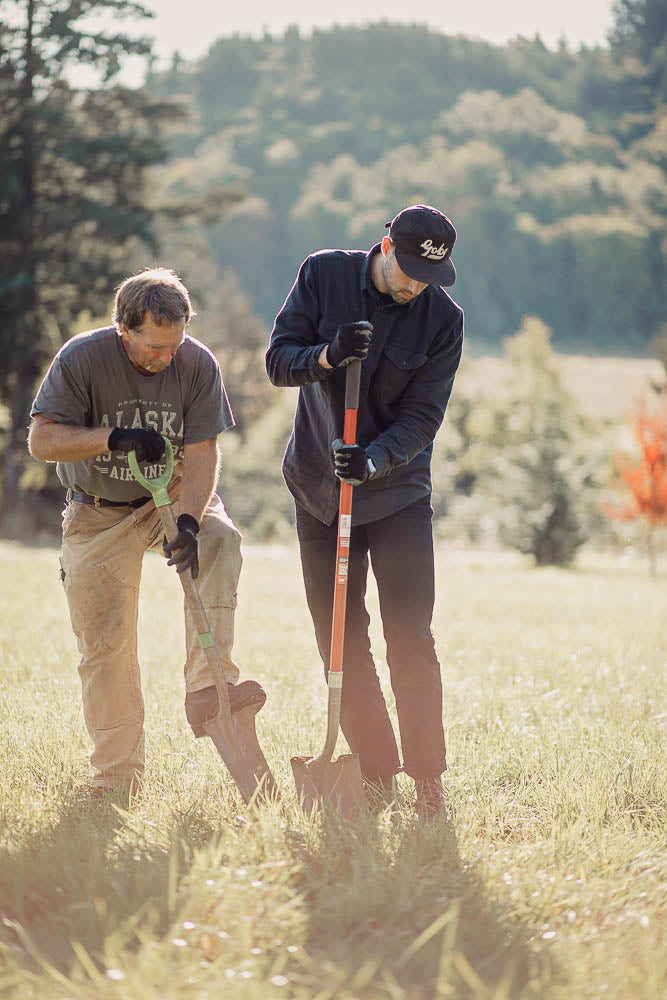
pixel 106 393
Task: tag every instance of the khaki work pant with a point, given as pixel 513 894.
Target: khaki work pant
pixel 102 554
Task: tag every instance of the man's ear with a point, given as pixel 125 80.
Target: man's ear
pixel 387 244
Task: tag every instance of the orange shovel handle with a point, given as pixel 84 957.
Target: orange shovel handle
pixel 352 380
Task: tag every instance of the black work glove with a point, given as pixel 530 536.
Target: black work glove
pixel 144 441
pixel 183 550
pixel 351 463
pixel 351 343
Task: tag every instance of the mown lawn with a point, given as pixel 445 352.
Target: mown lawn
pixel 549 883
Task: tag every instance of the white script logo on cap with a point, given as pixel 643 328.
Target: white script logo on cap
pixel 433 253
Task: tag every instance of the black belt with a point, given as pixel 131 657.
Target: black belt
pixel 103 502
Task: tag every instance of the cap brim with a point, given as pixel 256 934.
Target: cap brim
pixel 432 272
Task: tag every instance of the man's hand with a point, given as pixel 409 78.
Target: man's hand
pixel 352 464
pixel 145 441
pixel 351 343
pixel 182 552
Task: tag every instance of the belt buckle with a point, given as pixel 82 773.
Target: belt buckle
pixel 97 502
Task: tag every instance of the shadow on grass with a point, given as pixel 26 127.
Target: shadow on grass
pixel 395 912
pixel 95 875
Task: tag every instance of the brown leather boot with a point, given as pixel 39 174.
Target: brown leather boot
pixel 431 800
pixel 379 792
pixel 200 706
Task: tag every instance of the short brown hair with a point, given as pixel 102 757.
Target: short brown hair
pixel 155 290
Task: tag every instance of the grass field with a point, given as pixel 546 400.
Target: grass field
pixel 605 388
pixel 549 883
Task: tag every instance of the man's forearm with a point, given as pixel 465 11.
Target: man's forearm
pixel 291 363
pixel 201 463
pixel 52 442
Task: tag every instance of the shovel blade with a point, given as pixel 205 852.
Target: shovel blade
pixel 334 784
pixel 249 748
pixel 242 755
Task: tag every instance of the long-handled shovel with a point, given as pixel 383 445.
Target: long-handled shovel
pixel 234 735
pixel 319 780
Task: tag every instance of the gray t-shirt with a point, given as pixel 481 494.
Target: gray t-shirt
pixel 92 383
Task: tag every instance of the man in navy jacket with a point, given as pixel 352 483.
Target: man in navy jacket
pixel 387 307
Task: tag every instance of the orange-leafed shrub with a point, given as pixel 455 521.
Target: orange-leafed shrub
pixel 642 478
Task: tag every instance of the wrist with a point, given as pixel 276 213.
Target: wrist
pixel 186 522
pixel 323 359
pixel 113 438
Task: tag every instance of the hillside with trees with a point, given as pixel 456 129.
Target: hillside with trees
pixel 550 163
pixel 231 169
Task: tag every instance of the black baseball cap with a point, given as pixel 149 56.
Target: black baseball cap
pixel 423 238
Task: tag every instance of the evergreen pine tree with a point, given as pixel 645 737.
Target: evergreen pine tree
pixel 544 475
pixel 73 203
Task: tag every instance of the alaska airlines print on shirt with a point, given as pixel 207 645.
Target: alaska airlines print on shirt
pixel 92 383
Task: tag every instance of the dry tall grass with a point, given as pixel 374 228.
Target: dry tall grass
pixel 549 883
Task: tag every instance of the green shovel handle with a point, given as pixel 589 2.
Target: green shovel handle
pixel 158 486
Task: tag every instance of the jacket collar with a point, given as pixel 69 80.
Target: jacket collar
pixel 366 280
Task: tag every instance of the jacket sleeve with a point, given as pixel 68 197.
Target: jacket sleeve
pixel 422 406
pixel 291 358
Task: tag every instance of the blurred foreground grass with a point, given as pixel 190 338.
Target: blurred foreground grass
pixel 550 882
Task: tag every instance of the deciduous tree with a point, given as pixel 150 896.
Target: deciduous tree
pixel 238 338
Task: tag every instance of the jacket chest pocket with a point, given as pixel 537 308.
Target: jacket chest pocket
pixel 397 366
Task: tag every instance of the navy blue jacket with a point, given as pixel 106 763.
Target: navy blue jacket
pixel 406 381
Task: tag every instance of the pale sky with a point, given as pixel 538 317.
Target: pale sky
pixel 190 26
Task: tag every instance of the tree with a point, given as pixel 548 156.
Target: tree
pixel 659 345
pixel 543 477
pixel 73 202
pixel 640 33
pixel 642 478
pixel 239 340
pixel 640 26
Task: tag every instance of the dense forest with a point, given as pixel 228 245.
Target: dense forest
pixel 550 163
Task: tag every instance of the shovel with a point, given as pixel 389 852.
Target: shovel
pixel 319 780
pixel 234 735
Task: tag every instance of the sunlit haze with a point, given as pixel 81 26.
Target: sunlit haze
pixel 190 28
